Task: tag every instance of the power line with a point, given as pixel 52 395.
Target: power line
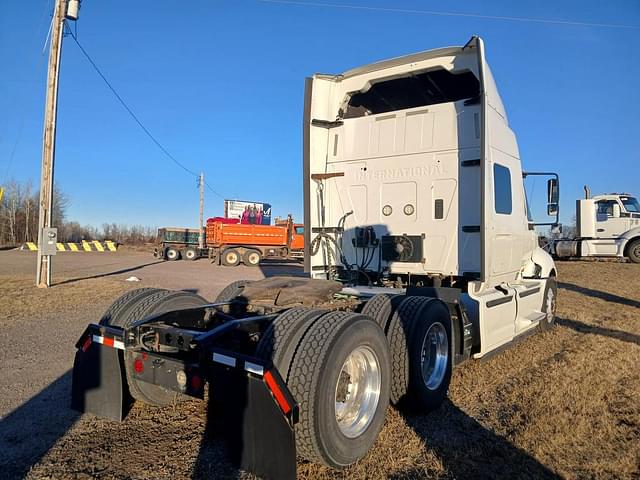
pixel 450 14
pixel 130 111
pixel 210 188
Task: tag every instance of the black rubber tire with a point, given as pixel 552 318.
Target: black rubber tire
pixel 158 302
pixel 421 397
pixel 633 251
pixel 282 338
pixel 313 378
pixel 230 258
pixel 549 304
pixel 231 291
pixel 190 254
pixel 113 315
pixel 381 306
pixel 399 338
pixel 172 254
pixel 251 258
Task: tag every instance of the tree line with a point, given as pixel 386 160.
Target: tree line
pixel 19 209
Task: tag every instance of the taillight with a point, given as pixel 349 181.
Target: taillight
pixel 196 382
pixel 138 365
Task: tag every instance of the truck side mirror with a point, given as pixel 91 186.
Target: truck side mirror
pixel 615 211
pixel 552 209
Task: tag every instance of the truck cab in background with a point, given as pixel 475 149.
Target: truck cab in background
pixel 606 226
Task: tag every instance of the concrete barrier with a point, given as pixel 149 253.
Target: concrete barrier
pixel 84 246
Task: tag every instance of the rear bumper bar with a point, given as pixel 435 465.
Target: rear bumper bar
pixel 259 411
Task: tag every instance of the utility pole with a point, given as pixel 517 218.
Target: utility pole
pixel 46 246
pixel 201 236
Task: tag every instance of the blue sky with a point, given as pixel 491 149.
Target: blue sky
pixel 220 84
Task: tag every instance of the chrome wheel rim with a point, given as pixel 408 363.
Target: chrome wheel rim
pixel 357 391
pixel 232 257
pixel 172 254
pixel 254 258
pixel 551 305
pixel 191 254
pixel 434 356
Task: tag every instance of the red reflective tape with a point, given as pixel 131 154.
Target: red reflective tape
pixel 86 344
pixel 107 342
pixel 275 389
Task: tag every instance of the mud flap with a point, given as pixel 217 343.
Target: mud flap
pixel 257 423
pixel 99 385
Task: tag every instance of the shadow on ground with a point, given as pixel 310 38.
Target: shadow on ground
pixel 469 450
pixel 28 432
pixel 598 330
pixel 276 268
pixel 609 297
pixel 108 274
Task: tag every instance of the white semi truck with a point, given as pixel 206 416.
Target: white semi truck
pixel 420 255
pixel 606 226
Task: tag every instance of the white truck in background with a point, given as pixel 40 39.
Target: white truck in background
pixel 606 226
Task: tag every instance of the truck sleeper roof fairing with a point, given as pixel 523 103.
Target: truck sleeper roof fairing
pixel 408 64
pixel 448 91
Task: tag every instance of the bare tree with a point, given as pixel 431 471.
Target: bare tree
pixel 19 220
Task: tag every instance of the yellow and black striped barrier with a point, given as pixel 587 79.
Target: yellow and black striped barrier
pixel 84 246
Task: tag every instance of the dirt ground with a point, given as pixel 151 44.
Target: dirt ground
pixel 565 403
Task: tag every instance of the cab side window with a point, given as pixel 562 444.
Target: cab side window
pixel 502 189
pixel 605 208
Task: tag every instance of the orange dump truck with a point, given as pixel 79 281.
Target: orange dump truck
pixel 232 243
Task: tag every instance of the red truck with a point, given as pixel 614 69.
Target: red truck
pixel 232 243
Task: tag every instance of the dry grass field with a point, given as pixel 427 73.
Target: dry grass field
pixel 565 403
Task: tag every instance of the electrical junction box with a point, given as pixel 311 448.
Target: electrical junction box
pixel 49 241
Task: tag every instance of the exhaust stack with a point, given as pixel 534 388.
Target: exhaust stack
pixel 587 193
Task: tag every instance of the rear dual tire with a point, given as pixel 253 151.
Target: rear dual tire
pixel 172 254
pixel 230 258
pixel 190 254
pixel 251 258
pixel 231 291
pixel 337 367
pixel 419 333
